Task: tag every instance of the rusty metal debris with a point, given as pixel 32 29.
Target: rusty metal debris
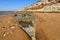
pixel 27 21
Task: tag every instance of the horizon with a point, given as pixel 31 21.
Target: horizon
pixel 15 5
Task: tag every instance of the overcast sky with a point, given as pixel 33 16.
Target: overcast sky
pixel 15 5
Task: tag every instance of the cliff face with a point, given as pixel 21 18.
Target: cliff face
pixel 44 6
pixel 47 24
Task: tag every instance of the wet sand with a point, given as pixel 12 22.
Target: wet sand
pixel 10 30
pixel 47 26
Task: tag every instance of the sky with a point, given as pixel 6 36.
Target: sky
pixel 15 5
